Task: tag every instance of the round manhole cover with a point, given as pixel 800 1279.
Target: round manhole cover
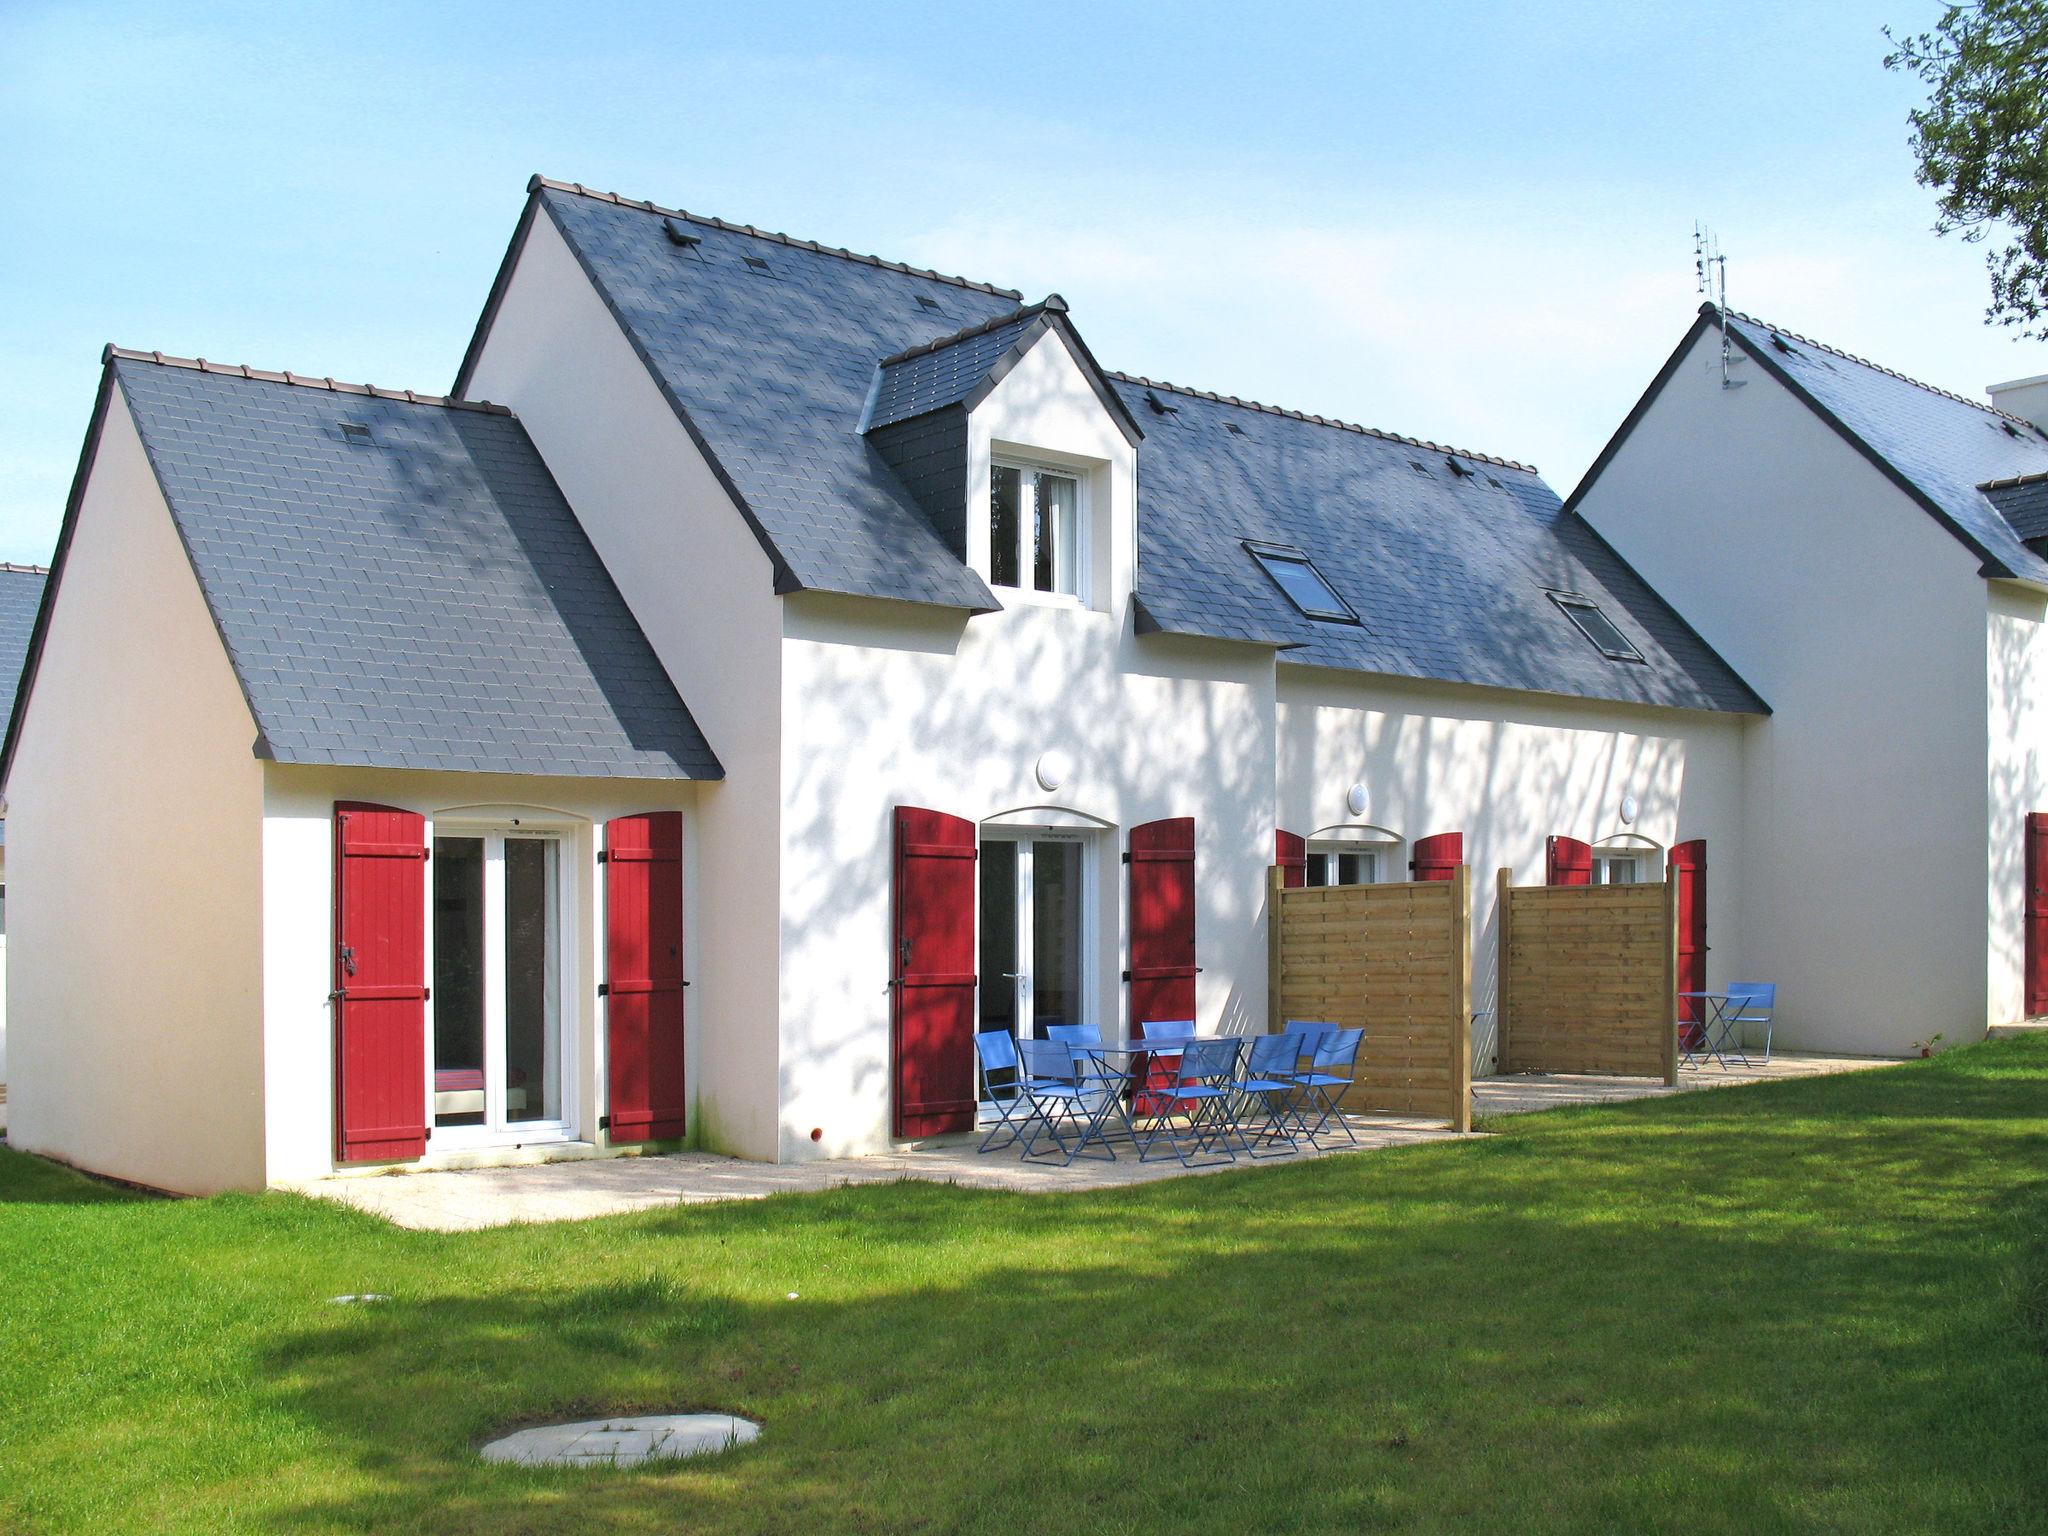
pixel 623 1442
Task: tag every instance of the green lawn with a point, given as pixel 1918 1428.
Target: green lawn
pixel 1813 1306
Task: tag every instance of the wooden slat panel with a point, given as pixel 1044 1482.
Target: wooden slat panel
pixel 1587 970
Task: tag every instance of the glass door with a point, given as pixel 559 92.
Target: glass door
pixel 1033 946
pixel 500 1051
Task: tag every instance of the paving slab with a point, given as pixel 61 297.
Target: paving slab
pixel 464 1200
pixel 623 1442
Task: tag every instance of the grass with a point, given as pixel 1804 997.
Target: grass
pixel 1818 1305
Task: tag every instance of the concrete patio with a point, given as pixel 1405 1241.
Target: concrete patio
pixel 454 1201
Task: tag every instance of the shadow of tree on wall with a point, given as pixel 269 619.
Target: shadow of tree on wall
pixel 1739 1299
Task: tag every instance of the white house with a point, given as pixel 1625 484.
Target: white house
pixel 21 591
pixel 835 640
pixel 1868 551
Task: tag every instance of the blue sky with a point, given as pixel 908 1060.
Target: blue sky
pixel 1464 222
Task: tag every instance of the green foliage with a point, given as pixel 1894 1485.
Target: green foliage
pixel 1982 142
pixel 1814 1306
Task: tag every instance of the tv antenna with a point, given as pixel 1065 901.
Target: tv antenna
pixel 1710 275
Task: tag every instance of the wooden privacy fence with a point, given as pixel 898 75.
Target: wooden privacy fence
pixel 1395 960
pixel 1588 978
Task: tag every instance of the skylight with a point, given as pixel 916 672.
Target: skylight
pixel 1593 623
pixel 1302 584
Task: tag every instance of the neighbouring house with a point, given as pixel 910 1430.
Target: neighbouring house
pixel 835 640
pixel 21 591
pixel 1872 554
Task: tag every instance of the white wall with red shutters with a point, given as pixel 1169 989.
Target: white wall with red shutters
pixel 886 705
pixel 1508 771
pixel 2016 693
pixel 1865 852
pixel 133 853
pixel 702 589
pixel 298 937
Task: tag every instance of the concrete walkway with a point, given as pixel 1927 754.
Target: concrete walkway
pixel 456 1201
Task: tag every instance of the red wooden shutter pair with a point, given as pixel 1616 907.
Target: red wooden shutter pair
pixel 1437 857
pixel 1567 861
pixel 2037 914
pixel 380 980
pixel 1290 852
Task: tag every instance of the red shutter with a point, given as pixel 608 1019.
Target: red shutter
pixel 380 983
pixel 643 967
pixel 932 973
pixel 1690 862
pixel 1162 973
pixel 1438 857
pixel 1290 852
pixel 2037 913
pixel 1568 862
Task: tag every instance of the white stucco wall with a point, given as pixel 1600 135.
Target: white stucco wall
pixel 886 705
pixel 135 814
pixel 701 587
pixel 1508 770
pixel 298 932
pixel 1862 622
pixel 2016 697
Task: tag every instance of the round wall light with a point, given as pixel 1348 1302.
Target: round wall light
pixel 1355 798
pixel 1628 809
pixel 1052 770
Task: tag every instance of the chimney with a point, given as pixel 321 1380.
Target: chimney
pixel 2024 398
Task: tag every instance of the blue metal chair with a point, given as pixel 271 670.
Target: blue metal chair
pixel 1206 1090
pixel 1011 1096
pixel 1266 1085
pixel 1331 1064
pixel 1059 1097
pixel 1752 1002
pixel 1162 1069
pixel 1074 1034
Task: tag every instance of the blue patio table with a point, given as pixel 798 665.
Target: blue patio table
pixel 1717 1037
pixel 1117 1067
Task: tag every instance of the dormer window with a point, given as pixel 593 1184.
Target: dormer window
pixel 1034 529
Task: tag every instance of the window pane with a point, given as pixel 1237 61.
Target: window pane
pixel 533 1011
pixel 1357 868
pixel 1052 533
pixel 1056 934
pixel 458 869
pixel 999 936
pixel 1005 524
pixel 1304 585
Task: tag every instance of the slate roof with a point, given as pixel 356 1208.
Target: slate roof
pixel 768 350
pixel 21 592
pixel 2023 503
pixel 936 375
pixel 1449 572
pixel 1938 446
pixel 425 599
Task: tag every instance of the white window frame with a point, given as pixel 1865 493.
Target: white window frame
pixel 1384 846
pixel 496 1131
pixel 1080 542
pixel 1647 857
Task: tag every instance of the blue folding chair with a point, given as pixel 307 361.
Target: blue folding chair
pixel 1074 1034
pixel 1060 1097
pixel 1011 1096
pixel 1265 1086
pixel 1331 1063
pixel 1162 1068
pixel 1206 1091
pixel 1752 1002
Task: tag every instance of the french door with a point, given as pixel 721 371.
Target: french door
pixel 1033 932
pixel 499 1020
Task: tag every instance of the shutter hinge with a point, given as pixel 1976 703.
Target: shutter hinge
pixel 604 855
pixel 1127 975
pixel 604 1122
pixel 430 1134
pixel 1127 855
pixel 604 989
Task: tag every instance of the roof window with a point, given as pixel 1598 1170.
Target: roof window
pixel 1303 585
pixel 356 433
pixel 1593 623
pixel 677 235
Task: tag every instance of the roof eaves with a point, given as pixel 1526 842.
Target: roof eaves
pixel 1323 421
pixel 536 183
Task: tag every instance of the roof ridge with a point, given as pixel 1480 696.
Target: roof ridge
pixel 536 182
pixel 967 333
pixel 302 380
pixel 2013 482
pixel 1863 362
pixel 24 570
pixel 1325 421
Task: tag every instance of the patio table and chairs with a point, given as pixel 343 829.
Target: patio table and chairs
pixel 1166 1092
pixel 1720 1020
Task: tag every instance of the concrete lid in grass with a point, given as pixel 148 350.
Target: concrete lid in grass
pixel 622 1442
